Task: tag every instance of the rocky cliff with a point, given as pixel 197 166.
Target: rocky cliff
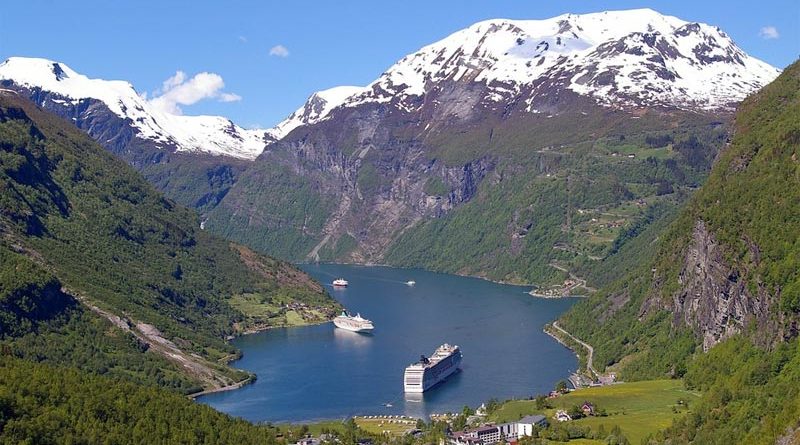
pixel 713 299
pixel 728 265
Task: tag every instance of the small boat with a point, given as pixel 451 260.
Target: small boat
pixel 340 282
pixel 411 283
pixel 388 405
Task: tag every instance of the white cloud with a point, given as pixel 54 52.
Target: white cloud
pixel 229 97
pixel 181 90
pixel 279 50
pixel 769 32
pixel 173 81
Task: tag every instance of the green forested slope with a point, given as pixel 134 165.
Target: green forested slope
pixel 78 224
pixel 750 206
pixel 41 404
pixel 572 205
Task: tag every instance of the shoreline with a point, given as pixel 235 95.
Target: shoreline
pixel 230 387
pixel 255 330
pixel 506 283
pixel 269 328
pixel 554 297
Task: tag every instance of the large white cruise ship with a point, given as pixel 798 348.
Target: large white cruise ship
pixel 421 376
pixel 351 323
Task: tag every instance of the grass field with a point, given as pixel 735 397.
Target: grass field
pixel 314 428
pixel 273 311
pixel 379 425
pixel 393 427
pixel 638 408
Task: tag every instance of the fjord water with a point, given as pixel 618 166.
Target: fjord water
pixel 321 372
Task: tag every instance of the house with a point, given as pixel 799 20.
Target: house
pixel 485 435
pixel 465 439
pixel 492 434
pixel 587 408
pixel 488 434
pixel 562 416
pixel 308 440
pixel 525 425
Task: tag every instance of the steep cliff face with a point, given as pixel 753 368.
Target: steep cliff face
pixel 719 303
pixel 729 263
pixel 714 299
pixel 361 176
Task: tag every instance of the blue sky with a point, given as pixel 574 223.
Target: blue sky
pixel 275 54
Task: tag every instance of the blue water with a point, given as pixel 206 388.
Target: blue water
pixel 320 372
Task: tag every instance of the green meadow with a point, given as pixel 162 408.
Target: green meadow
pixel 638 408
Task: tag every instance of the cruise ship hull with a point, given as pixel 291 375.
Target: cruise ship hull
pixel 349 324
pixel 420 378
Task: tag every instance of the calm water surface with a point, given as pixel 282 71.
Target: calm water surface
pixel 320 372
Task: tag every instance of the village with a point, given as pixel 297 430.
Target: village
pixel 469 427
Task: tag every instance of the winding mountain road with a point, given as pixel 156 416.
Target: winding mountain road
pixel 588 347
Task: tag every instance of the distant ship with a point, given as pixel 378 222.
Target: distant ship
pixel 411 282
pixel 340 282
pixel 351 323
pixel 421 376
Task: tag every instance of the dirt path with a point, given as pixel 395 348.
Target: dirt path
pixel 208 373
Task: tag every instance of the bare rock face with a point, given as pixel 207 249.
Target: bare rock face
pixel 713 298
pixel 377 181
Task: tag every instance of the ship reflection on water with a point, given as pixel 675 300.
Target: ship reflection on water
pixel 349 338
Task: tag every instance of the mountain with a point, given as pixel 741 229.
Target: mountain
pixel 619 58
pixel 719 302
pixel 574 134
pixel 193 159
pixel 99 271
pixel 512 150
pixel 94 102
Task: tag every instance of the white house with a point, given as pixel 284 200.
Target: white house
pixel 562 416
pixel 525 425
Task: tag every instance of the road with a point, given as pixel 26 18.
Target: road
pixel 588 347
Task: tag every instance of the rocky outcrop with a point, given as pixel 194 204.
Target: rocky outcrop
pixel 377 183
pixel 714 298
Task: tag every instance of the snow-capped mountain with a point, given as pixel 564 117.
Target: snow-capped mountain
pixel 64 88
pixel 619 58
pixel 501 110
pixel 315 109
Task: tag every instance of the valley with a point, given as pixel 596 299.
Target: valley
pixel 154 262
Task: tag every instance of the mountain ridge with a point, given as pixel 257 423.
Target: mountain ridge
pixel 206 134
pixel 390 175
pixel 501 52
pixel 361 172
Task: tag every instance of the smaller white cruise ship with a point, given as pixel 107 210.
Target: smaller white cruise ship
pixel 340 282
pixel 351 323
pixel 423 375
